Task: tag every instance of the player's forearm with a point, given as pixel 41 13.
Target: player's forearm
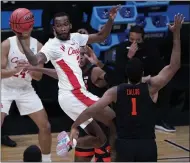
pixel 36 75
pixel 106 30
pixel 50 72
pixel 32 58
pixel 175 60
pixel 7 73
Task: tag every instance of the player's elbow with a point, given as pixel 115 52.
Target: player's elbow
pixel 38 78
pixel 101 37
pixel 34 63
pixel 174 68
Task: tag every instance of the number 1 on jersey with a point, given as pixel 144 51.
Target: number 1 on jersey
pixel 134 111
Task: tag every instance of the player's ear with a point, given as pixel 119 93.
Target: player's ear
pixel 54 33
pixel 71 26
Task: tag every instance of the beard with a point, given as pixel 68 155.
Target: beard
pixel 62 37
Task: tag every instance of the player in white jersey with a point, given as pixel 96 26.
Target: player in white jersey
pixel 16 86
pixel 64 53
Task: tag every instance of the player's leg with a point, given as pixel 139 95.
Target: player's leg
pixel 3 115
pixel 73 105
pixel 125 150
pixel 41 120
pixel 83 155
pixel 30 104
pixel 103 154
pixel 95 138
pixel 7 98
pixel 148 154
pixel 6 101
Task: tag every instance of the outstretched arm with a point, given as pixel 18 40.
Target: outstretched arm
pixel 38 75
pixel 105 31
pixel 50 72
pixel 109 96
pixel 167 73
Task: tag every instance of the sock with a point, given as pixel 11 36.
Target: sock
pixel 46 157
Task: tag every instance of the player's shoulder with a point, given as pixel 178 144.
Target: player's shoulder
pixel 51 43
pixel 122 86
pixel 75 35
pixel 96 69
pixel 6 43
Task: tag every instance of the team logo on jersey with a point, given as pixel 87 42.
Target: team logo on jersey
pixel 62 47
pixel 73 51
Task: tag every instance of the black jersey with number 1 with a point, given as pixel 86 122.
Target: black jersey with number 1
pixel 135 112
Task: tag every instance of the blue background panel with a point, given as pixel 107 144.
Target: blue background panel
pixel 5 17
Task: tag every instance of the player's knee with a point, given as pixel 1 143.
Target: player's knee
pixel 45 127
pixel 101 140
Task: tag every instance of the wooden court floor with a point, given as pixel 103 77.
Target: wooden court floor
pixel 172 147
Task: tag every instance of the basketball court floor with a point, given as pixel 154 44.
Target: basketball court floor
pixel 172 147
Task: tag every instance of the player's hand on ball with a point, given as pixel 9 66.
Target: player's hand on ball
pixel 178 21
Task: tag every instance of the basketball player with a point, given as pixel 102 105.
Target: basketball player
pixel 64 53
pixel 93 77
pixel 16 85
pixel 135 105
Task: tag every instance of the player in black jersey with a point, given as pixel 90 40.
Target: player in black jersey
pixel 95 83
pixel 135 101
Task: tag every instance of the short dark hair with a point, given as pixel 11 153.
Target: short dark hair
pixel 59 14
pixel 137 29
pixel 32 154
pixel 134 70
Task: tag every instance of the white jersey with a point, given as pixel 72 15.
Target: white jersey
pixel 21 79
pixel 65 56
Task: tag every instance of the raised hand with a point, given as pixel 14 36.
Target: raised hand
pixel 91 56
pixel 178 21
pixel 113 12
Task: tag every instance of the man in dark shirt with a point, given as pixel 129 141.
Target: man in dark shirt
pixel 135 101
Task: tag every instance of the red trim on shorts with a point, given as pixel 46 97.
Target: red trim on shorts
pixel 99 151
pixel 75 83
pixel 84 154
pixel 107 159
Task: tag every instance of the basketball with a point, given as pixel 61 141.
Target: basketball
pixel 21 20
